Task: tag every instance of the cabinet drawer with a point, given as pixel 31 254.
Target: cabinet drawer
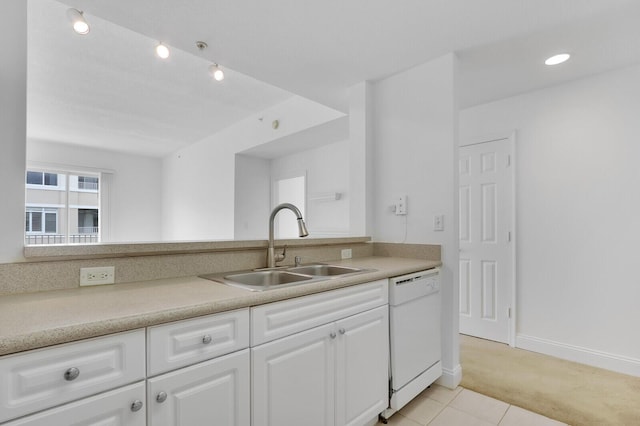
pixel 279 319
pixel 109 408
pixel 40 379
pixel 181 343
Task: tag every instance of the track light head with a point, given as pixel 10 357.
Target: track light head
pixel 80 25
pixel 162 51
pixel 216 72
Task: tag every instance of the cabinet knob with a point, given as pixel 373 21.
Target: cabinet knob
pixel 136 405
pixel 342 331
pixel 333 334
pixel 161 397
pixel 71 374
pixel 206 339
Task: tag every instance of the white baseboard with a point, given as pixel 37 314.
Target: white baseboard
pixel 605 360
pixel 450 378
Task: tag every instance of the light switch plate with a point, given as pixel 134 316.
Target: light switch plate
pixel 346 254
pixel 438 223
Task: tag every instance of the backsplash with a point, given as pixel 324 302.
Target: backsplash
pixel 58 269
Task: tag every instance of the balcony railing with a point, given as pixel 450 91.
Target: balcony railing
pixel 43 239
pixel 89 186
pixel 87 229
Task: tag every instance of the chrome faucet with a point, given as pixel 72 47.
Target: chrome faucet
pixel 272 257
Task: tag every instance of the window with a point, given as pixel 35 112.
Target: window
pixel 88 183
pixel 41 221
pixel 62 207
pixel 87 221
pixel 42 178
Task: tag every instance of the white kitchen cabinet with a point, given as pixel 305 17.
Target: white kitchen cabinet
pixel 121 407
pixel 43 378
pixel 211 392
pixel 334 374
pixel 362 367
pixel 294 380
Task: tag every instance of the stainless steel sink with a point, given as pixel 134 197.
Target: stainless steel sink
pixel 324 270
pixel 260 280
pixel 269 279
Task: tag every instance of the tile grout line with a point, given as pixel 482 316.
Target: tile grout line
pixel 503 416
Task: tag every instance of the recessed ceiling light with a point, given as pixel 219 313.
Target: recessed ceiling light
pixel 76 17
pixel 557 59
pixel 162 51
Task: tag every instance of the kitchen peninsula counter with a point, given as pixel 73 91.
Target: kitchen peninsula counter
pixel 35 320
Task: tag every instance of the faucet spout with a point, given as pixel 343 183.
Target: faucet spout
pixel 272 258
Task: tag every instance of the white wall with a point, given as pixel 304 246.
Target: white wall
pixel 13 127
pixel 578 204
pixel 327 169
pixel 415 155
pixel 361 135
pixel 199 180
pixel 135 203
pixel 252 197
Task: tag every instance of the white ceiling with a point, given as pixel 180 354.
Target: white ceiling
pixel 314 49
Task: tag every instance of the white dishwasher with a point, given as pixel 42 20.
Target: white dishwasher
pixel 414 327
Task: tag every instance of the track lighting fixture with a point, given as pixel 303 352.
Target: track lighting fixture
pixel 216 72
pixel 162 51
pixel 76 17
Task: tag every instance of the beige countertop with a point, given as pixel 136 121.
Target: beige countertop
pixel 35 320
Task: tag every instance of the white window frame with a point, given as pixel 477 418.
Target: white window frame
pixel 105 177
pixel 60 181
pixel 44 211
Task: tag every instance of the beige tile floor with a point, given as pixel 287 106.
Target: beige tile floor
pixel 439 406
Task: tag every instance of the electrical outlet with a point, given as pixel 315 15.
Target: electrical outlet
pixel 346 254
pixel 97 276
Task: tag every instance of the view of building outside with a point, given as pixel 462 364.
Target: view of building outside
pixel 62 208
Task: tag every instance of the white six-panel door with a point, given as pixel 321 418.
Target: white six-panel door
pixel 486 238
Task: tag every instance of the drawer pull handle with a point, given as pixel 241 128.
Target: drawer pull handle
pixel 136 405
pixel 206 339
pixel 333 334
pixel 161 397
pixel 71 374
pixel 342 331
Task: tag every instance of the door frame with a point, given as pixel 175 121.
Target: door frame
pixel 512 138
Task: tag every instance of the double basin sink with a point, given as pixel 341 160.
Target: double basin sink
pixel 269 279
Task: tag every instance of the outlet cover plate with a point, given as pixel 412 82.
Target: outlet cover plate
pixel 97 276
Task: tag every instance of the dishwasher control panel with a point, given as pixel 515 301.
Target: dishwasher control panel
pixel 411 286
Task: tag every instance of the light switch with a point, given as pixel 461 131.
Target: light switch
pixel 438 223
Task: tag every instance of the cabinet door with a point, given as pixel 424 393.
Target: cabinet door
pixel 362 367
pixel 293 379
pixel 214 392
pixel 114 408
